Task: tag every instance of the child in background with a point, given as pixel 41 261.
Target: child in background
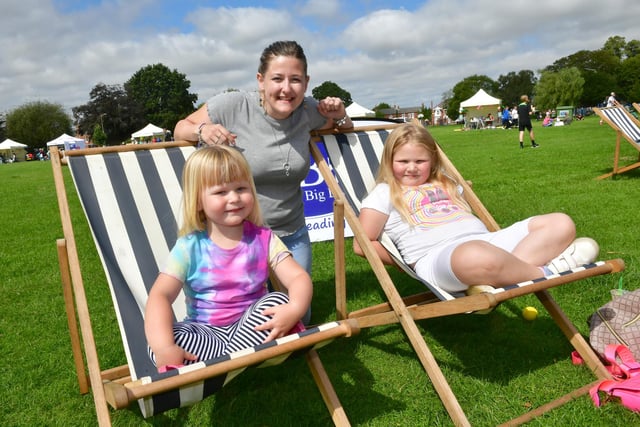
pixel 221 260
pixel 427 218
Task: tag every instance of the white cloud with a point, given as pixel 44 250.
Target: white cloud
pixel 396 55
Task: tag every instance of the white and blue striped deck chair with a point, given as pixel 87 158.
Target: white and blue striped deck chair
pixel 349 169
pixel 130 196
pixel 626 126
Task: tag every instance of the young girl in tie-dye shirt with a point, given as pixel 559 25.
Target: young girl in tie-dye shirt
pixel 425 215
pixel 222 260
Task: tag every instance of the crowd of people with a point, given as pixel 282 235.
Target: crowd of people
pixel 38 154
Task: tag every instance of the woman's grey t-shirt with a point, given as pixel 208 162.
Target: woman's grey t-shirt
pixel 268 144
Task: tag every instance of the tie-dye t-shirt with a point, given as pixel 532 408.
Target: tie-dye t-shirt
pixel 220 284
pixel 437 219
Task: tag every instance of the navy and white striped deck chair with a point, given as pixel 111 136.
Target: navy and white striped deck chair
pixel 626 126
pixel 350 167
pixel 130 196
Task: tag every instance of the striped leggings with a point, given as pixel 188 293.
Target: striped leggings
pixel 208 342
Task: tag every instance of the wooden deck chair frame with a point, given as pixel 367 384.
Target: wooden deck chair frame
pixel 626 127
pixel 119 386
pixel 427 305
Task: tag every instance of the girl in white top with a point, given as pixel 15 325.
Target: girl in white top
pixel 427 218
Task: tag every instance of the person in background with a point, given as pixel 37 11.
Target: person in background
pixel 271 127
pixel 610 102
pixel 506 118
pixel 524 121
pixel 222 260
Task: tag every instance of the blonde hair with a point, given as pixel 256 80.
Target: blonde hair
pixel 524 98
pixel 410 133
pixel 206 167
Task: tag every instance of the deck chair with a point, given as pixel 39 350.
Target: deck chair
pixel 636 106
pixel 130 195
pixel 626 126
pixel 352 160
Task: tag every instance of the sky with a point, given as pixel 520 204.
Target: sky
pixel 404 53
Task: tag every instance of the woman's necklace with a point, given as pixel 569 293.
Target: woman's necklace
pixel 286 166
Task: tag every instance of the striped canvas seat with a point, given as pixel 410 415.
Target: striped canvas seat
pixel 130 196
pixel 350 167
pixel 355 159
pixel 626 127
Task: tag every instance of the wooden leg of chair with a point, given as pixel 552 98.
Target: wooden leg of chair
pixel 339 261
pixel 449 400
pixel 616 157
pixel 578 342
pixel 418 342
pixel 326 389
pixel 76 345
pixel 525 418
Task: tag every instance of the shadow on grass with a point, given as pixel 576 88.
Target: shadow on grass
pixel 495 347
pixel 286 395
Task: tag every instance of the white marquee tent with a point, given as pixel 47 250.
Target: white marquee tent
pixel 481 104
pixel 357 110
pixel 149 130
pixel 65 140
pixel 10 144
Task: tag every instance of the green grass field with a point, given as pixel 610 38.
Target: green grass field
pixel 498 365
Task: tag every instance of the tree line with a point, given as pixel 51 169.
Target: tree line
pixel 582 79
pixel 156 94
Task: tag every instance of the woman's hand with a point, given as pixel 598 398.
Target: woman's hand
pixel 214 134
pixel 332 108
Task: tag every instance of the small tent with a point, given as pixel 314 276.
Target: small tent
pixel 9 146
pixel 357 110
pixel 481 104
pixel 68 142
pixel 149 131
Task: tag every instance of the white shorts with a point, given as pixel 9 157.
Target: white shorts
pixel 435 266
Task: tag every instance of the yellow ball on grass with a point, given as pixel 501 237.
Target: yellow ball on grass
pixel 529 313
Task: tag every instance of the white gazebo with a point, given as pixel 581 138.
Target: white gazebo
pixel 10 146
pixel 149 131
pixel 481 104
pixel 357 110
pixel 68 142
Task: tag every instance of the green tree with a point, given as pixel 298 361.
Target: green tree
pixel 616 45
pixel 511 86
pixel 558 88
pixel 162 94
pixel 629 79
pixel 99 137
pixel 381 106
pixel 3 127
pixel 111 108
pixel 331 89
pixel 599 69
pixel 632 48
pixel 37 123
pixel 466 88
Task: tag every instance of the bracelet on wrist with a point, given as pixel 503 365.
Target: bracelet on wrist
pixel 341 122
pixel 200 141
